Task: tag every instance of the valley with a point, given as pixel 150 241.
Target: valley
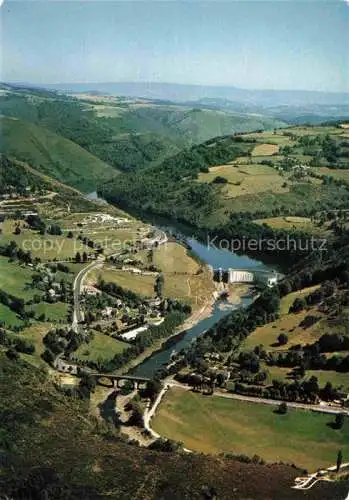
pixel 93 287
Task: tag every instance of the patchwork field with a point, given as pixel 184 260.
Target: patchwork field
pixel 247 179
pixel 215 424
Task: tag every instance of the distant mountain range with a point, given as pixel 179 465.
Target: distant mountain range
pixel 182 93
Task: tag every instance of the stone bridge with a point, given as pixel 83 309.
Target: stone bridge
pixel 137 382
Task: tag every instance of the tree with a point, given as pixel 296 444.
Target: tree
pixel 12 354
pixel 219 180
pixel 282 408
pixel 282 339
pixel 159 285
pixel 339 420
pixel 339 459
pixel 77 257
pixel 17 230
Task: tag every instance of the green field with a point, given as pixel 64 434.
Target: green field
pixel 215 424
pixel 336 173
pixel 15 279
pixel 53 312
pixel 46 247
pixel 142 285
pixel 102 347
pixel 9 317
pixel 35 334
pixel 337 379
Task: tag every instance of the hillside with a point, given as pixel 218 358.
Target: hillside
pixel 52 154
pixel 294 171
pixel 75 458
pixel 126 133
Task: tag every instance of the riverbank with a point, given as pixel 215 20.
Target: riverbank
pixel 192 327
pixel 191 321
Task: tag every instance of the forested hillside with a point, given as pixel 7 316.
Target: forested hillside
pixel 53 155
pixel 128 134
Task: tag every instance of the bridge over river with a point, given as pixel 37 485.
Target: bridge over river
pixel 137 382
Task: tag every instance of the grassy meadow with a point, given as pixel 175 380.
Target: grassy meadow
pixel 15 279
pixel 101 347
pixel 288 323
pixel 216 424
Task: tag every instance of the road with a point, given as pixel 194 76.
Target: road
pixel 77 313
pixel 322 408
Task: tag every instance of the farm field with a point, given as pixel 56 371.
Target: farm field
pixel 142 285
pixel 46 247
pixel 287 323
pixel 247 179
pixel 216 424
pixel 15 279
pixel 265 150
pixel 53 312
pixel 279 138
pixel 35 334
pixel 337 379
pixel 294 223
pixel 174 258
pixel 339 173
pixel 9 317
pixel 101 347
pixel 184 278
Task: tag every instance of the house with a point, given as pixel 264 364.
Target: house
pixel 91 290
pixel 132 334
pixel 154 302
pixel 107 312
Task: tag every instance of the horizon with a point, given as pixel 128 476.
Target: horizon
pixel 247 45
pixel 47 86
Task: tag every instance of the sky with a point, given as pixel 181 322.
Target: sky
pixel 276 44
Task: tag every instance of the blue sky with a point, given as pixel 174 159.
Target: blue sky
pixel 252 44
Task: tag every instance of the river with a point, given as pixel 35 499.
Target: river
pixel 214 257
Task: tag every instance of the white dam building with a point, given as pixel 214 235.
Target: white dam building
pixel 235 276
pixel 245 276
